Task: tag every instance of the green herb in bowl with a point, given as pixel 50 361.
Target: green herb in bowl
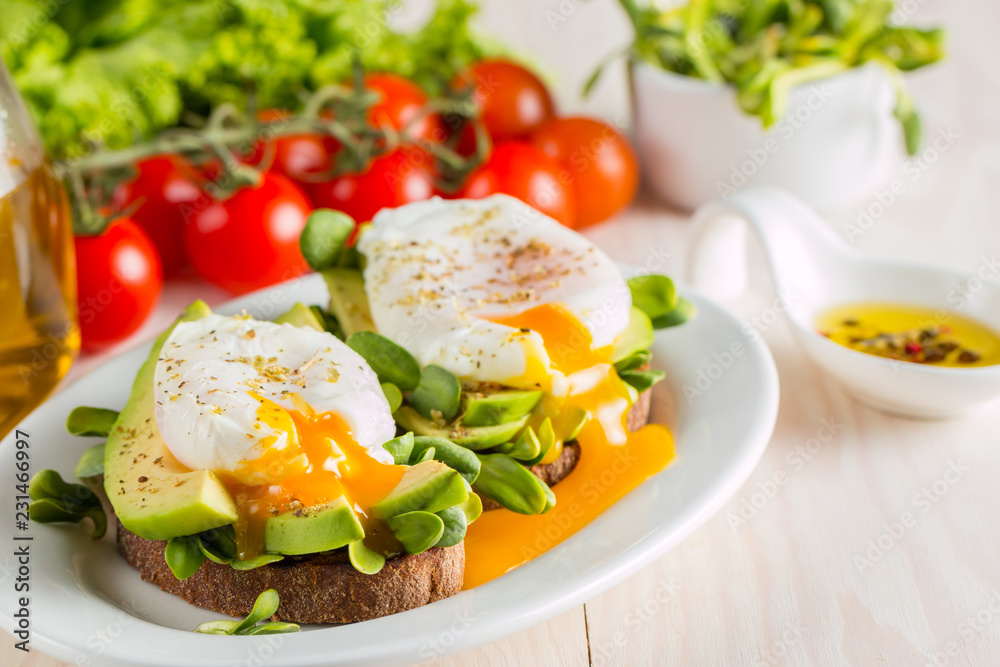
pixel 764 48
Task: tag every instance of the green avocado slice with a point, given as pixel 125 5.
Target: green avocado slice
pixel 153 495
pixel 301 315
pixel 470 437
pixel 497 407
pixel 312 530
pixel 430 486
pixel 348 300
pixel 638 335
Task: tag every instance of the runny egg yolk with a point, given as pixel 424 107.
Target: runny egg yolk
pixel 319 462
pixel 590 382
pixel 613 461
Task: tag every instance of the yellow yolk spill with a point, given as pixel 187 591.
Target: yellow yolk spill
pixel 613 461
pixel 320 462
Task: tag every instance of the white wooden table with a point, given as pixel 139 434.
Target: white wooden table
pixel 860 539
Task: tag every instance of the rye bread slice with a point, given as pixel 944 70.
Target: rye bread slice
pixel 555 472
pixel 318 588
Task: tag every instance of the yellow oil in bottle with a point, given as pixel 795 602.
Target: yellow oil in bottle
pixel 912 333
pixel 39 336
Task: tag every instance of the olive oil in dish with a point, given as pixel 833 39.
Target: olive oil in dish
pixel 916 334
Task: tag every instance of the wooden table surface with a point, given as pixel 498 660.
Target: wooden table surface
pixel 861 538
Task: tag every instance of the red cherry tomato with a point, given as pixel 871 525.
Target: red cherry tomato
pixel 521 170
pixel 119 277
pixel 251 239
pixel 513 101
pixel 405 175
pixel 600 161
pixel 162 193
pixel 402 103
pixel 300 157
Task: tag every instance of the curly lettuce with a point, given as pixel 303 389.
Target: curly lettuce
pixel 107 73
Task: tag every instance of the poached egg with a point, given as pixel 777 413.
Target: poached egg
pixel 497 292
pixel 287 416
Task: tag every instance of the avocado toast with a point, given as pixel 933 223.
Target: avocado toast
pixel 359 549
pixel 351 476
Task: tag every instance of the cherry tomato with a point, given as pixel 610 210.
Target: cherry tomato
pixel 251 239
pixel 161 192
pixel 599 160
pixel 402 103
pixel 405 175
pixel 119 277
pixel 300 157
pixel 522 170
pixel 513 101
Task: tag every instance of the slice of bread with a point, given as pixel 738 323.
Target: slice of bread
pixel 318 588
pixel 325 588
pixel 555 472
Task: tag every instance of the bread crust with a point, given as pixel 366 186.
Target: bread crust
pixel 558 470
pixel 318 588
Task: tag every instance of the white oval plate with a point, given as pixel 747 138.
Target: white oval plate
pixel 87 606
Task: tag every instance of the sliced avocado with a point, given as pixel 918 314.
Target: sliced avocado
pixel 312 530
pixel 348 301
pixel 430 486
pixel 638 335
pixel 470 437
pixel 153 495
pixel 497 407
pixel 301 315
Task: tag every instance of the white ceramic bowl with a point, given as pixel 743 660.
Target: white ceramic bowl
pixel 838 142
pixel 814 270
